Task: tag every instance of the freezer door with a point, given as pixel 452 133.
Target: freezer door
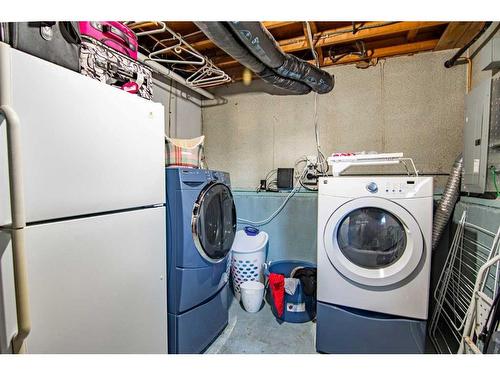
pixel 87 147
pixel 96 285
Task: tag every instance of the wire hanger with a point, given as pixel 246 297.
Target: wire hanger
pixel 180 48
pixel 160 27
pixel 208 75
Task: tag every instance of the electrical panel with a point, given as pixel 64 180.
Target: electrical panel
pixel 489 56
pixel 494 137
pixel 476 137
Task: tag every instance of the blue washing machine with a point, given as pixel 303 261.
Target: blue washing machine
pixel 201 226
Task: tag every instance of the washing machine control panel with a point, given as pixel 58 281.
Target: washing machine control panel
pixel 217 176
pixel 190 175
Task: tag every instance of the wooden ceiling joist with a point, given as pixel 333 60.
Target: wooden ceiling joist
pixel 275 24
pixel 412 34
pixel 381 39
pixel 457 34
pixel 341 35
pixel 398 50
pixel 403 49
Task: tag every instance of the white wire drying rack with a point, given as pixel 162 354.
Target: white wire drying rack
pixel 471 248
pixel 482 302
pixel 340 163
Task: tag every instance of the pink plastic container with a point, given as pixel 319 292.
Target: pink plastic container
pixel 113 34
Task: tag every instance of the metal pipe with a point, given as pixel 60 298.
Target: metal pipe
pixel 18 226
pixel 170 74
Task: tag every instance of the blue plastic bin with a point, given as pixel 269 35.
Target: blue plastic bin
pixel 299 308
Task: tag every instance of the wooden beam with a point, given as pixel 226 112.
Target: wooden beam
pixel 402 49
pixel 345 35
pixel 412 34
pixel 457 34
pixel 203 45
pixel 275 24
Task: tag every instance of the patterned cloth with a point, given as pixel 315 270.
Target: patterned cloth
pixel 184 152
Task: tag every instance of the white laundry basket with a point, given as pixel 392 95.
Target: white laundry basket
pixel 249 256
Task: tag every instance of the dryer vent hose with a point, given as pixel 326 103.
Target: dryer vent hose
pixel 254 47
pixel 447 202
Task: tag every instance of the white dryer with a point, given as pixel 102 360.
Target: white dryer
pixel 374 241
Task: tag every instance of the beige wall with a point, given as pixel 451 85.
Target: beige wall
pixel 410 104
pixel 182 108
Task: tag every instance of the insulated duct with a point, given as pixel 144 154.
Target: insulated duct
pixel 447 202
pixel 222 38
pixel 295 76
pixel 262 45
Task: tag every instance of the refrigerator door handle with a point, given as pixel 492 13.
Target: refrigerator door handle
pixel 18 227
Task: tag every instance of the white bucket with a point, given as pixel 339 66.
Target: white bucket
pixel 249 255
pixel 252 293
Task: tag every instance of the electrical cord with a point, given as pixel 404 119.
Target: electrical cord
pixel 310 37
pixel 494 176
pixel 321 160
pixel 319 166
pixel 280 208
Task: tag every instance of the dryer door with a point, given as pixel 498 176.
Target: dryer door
pixel 214 222
pixel 373 241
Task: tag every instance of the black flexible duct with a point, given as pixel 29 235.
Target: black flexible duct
pixel 451 62
pixel 223 38
pixel 295 87
pixel 261 43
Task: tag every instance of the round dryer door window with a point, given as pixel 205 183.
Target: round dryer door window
pixel 214 222
pixel 373 241
pixel 371 237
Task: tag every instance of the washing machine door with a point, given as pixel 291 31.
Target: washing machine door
pixel 214 222
pixel 373 241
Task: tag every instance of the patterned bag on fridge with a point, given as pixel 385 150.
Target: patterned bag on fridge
pixel 184 152
pixel 104 64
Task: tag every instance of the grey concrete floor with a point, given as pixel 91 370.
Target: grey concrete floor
pixel 261 333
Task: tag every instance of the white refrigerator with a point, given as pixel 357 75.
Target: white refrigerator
pixel 93 176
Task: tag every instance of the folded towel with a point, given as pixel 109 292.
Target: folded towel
pixel 291 285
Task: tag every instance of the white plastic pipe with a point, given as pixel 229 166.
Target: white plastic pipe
pixel 170 74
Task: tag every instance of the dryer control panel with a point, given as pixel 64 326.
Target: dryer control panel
pixel 387 187
pixel 390 187
pixel 399 187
